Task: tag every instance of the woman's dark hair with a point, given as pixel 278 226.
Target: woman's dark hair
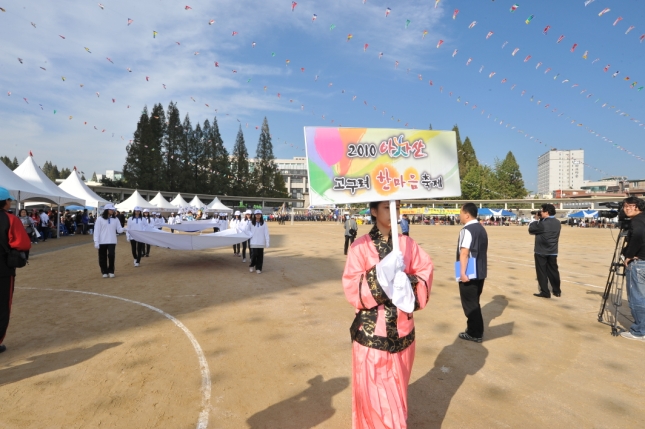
pixel 106 214
pixel 254 220
pixel 22 210
pixel 374 205
pixel 640 204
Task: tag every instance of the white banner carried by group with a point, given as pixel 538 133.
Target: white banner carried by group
pixel 194 225
pixel 168 240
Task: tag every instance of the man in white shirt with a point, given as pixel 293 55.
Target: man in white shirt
pixel 44 225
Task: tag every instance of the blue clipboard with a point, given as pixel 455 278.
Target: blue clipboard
pixel 471 269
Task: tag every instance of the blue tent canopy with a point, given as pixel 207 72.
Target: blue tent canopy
pixel 79 208
pixel 584 213
pixel 493 212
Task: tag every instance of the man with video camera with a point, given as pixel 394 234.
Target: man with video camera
pixel 546 229
pixel 634 254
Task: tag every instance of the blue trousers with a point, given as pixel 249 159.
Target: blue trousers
pixel 635 274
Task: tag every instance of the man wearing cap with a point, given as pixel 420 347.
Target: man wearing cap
pixel 12 236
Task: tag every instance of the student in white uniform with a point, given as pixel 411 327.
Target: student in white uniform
pixel 135 223
pixel 106 227
pixel 259 241
pixel 234 224
pixel 171 222
pixel 148 223
pixel 245 226
pixel 159 221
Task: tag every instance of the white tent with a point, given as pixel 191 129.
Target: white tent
pixel 196 202
pixel 135 200
pixel 162 203
pixel 76 187
pixel 217 206
pixel 31 173
pixel 179 202
pixel 20 189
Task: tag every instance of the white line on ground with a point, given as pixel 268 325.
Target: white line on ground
pixel 202 423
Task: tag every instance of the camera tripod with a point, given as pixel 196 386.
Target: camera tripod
pixel 615 285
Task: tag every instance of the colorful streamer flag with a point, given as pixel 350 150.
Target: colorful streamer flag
pixel 604 11
pixel 491 75
pixel 585 55
pixel 515 51
pixel 387 11
pixel 234 33
pixel 455 13
pixel 607 68
pixel 407 23
pixel 313 17
pixel 514 7
pixel 504 44
pixel 349 37
pixel 546 29
pixel 529 19
pixel 630 29
pixel 129 22
pixel 440 43
pixel 380 55
pixel 454 53
pixel 642 38
pixel 211 22
pixel 469 61
pixel 436 3
pixel 154 35
pixel 616 74
pixel 490 33
pixel 588 2
pixel 528 57
pixel 365 46
pixel 187 8
pixel 573 48
pixel 331 27
pixel 472 24
pixel 293 5
pixel 560 39
pixel 425 33
pixel 620 18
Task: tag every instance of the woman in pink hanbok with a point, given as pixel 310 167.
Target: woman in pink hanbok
pixel 385 287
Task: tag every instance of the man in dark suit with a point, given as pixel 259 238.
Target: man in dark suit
pixel 546 229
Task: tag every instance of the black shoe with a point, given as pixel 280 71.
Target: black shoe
pixel 541 295
pixel 147 256
pixel 3 348
pixel 557 295
pixel 468 337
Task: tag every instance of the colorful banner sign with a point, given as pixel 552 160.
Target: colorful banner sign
pixel 430 211
pixel 353 165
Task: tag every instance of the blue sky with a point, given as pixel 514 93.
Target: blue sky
pixel 344 70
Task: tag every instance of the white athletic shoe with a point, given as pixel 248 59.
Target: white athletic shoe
pixel 244 260
pixel 135 262
pixel 136 265
pixel 105 276
pixel 251 269
pixel 111 275
pixel 259 272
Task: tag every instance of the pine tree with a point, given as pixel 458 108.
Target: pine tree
pixel 93 179
pixel 240 166
pixel 197 160
pixel 51 171
pixel 135 169
pixel 509 177
pixel 186 181
pixel 264 171
pixel 15 163
pixel 6 161
pixel 155 147
pixel 64 173
pixel 171 149
pixel 220 165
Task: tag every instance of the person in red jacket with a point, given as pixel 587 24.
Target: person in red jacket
pixel 12 236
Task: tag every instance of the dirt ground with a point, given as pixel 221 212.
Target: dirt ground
pixel 276 345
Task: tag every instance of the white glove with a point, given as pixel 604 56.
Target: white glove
pixel 403 296
pixel 96 245
pixel 127 236
pixel 386 271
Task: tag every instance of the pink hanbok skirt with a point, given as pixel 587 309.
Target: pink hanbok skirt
pixel 380 387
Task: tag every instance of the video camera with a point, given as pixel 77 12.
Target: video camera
pixel 537 213
pixel 616 209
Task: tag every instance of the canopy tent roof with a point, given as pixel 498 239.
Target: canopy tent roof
pixel 492 212
pixel 584 213
pixel 31 173
pixel 133 201
pixel 179 202
pixel 217 206
pixel 73 185
pixel 196 202
pixel 20 189
pixel 162 204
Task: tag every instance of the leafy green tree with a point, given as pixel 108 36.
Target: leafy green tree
pixel 265 169
pixel 172 167
pixel 240 166
pixel 509 177
pixel 136 170
pixel 219 164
